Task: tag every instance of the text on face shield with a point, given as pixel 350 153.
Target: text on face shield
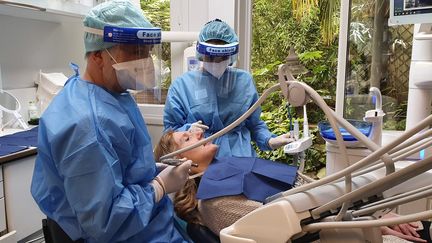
pixel 148 34
pixel 220 50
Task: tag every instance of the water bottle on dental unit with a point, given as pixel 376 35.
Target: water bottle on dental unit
pixel 190 62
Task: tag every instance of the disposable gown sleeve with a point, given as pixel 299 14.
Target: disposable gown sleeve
pixel 106 209
pixel 259 130
pixel 175 116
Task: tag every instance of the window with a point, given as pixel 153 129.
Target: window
pixel 379 56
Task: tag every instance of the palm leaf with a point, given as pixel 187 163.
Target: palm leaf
pixel 328 15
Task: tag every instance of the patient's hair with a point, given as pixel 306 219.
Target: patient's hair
pixel 185 202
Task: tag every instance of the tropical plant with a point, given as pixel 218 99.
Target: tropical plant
pixel 328 15
pixel 158 12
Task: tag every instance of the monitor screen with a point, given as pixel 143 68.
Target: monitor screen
pixel 410 12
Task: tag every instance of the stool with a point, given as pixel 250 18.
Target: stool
pixel 53 233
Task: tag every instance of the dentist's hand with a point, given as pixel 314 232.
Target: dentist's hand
pixel 172 178
pixel 280 141
pixel 198 127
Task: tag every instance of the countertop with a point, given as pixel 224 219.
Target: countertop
pixel 17 155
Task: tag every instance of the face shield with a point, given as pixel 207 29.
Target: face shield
pixel 137 57
pixel 215 59
pixel 215 63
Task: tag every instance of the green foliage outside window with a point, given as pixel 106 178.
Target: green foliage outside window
pixel 158 12
pixel 275 30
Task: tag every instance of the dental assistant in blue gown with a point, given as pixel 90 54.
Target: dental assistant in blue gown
pixel 95 175
pixel 216 94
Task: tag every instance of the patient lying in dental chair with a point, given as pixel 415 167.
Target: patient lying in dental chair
pixel 211 202
pixel 230 188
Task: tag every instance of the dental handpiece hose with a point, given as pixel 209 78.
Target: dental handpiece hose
pixel 296 130
pixel 305 123
pixel 291 130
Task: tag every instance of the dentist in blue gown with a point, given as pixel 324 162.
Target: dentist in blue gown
pixel 216 94
pixel 95 175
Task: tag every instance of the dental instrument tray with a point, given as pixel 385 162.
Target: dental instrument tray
pixel 328 134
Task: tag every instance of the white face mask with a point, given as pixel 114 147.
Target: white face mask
pixel 217 69
pixel 137 75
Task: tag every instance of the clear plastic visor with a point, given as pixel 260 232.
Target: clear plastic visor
pixel 214 58
pixel 138 69
pixel 137 59
pixel 213 64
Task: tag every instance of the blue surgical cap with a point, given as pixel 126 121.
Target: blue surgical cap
pixel 118 13
pixel 217 30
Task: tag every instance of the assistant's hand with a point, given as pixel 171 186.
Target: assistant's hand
pixel 198 127
pixel 172 178
pixel 280 141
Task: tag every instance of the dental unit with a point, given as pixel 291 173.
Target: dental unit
pixel 370 185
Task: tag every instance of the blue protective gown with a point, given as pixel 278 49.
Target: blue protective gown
pixel 94 166
pixel 217 103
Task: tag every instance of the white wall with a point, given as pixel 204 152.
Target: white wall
pixel 191 15
pixel 28 45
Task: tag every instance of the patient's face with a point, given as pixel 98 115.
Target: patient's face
pixel 201 155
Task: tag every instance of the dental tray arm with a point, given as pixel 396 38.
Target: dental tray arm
pixel 378 186
pixel 297 210
pixel 283 220
pixel 369 223
pixel 361 163
pixel 291 217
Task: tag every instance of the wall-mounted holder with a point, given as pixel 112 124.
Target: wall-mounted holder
pixel 9 104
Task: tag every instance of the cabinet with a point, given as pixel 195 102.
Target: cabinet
pixel 2 203
pixel 23 214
